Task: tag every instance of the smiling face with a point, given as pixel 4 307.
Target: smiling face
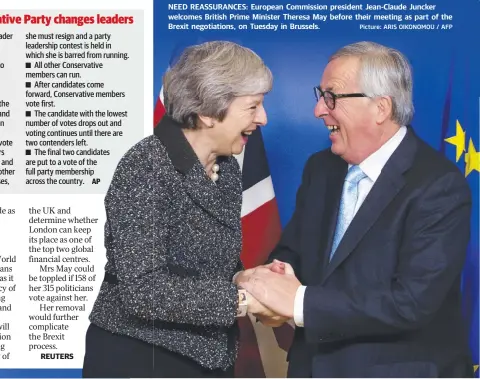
pixel 244 115
pixel 354 122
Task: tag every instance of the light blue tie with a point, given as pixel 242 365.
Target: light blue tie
pixel 347 204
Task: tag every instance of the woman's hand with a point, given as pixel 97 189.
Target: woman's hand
pixel 273 322
pixel 265 315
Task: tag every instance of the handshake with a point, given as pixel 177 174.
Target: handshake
pixel 271 291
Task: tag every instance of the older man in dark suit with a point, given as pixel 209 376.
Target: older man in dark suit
pixel 375 248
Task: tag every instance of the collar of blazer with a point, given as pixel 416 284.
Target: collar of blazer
pixel 222 199
pixel 179 150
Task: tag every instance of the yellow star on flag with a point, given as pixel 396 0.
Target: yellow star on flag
pixel 458 140
pixel 475 368
pixel 472 159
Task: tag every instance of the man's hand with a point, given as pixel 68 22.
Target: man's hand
pixel 242 276
pixel 276 266
pixel 275 291
pixel 280 267
pixel 265 315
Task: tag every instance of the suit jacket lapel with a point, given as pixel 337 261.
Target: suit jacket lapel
pixel 332 203
pixel 388 184
pixel 322 201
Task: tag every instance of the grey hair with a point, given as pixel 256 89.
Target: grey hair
pixel 384 71
pixel 208 77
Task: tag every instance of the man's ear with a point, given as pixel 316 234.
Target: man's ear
pixel 384 109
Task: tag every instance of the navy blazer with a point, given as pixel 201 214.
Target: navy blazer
pixel 389 302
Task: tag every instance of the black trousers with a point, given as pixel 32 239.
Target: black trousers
pixel 109 355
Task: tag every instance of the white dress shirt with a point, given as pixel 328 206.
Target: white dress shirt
pixel 372 167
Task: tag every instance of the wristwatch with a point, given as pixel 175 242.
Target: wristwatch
pixel 242 303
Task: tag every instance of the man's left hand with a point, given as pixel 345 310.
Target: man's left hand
pixel 276 266
pixel 275 291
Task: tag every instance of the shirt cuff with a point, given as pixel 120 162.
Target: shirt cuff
pixel 298 306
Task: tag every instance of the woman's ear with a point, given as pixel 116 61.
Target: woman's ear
pixel 207 122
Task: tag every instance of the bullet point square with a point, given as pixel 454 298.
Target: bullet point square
pixel 28 65
pixel 28 152
pixel 28 113
pixel 28 84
